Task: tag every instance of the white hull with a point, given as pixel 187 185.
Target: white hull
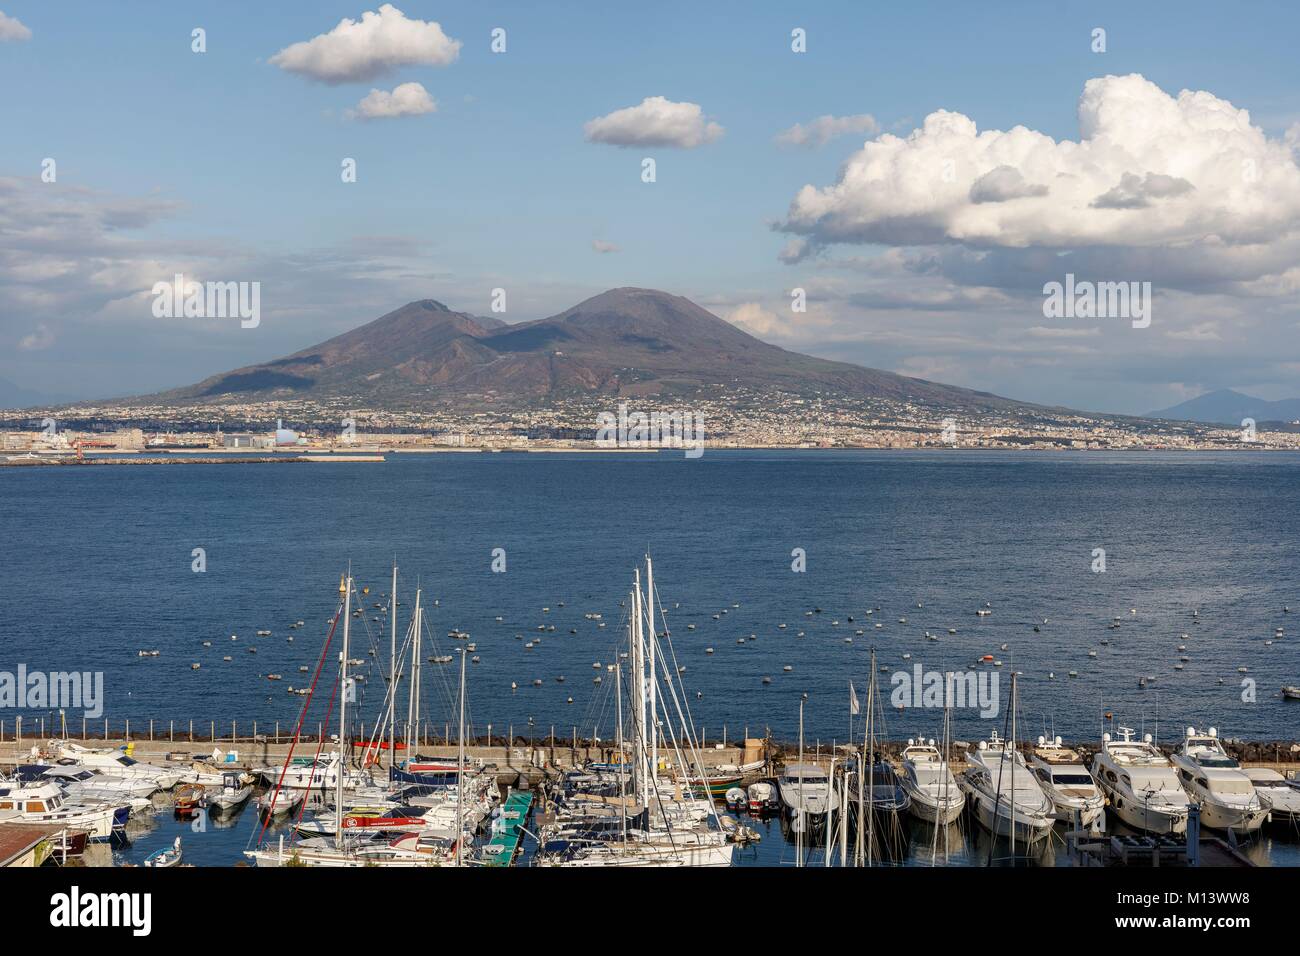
pixel 1218 816
pixel 933 810
pixel 1029 828
pixel 1157 819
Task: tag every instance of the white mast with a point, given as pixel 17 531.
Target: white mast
pixel 413 688
pixel 341 766
pixel 801 819
pixel 647 772
pixel 622 756
pixel 654 681
pixel 460 765
pixel 392 674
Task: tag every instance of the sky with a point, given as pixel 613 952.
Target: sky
pixel 921 171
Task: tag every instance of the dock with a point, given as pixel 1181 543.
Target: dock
pixel 503 848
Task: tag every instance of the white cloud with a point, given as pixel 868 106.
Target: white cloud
pixel 823 129
pixel 357 51
pixel 1149 170
pixel 656 121
pixel 604 246
pixel 11 28
pixel 39 338
pixel 407 99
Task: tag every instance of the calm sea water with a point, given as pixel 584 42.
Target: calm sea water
pixel 96 564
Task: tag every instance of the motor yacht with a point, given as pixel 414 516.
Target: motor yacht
pixel 1140 784
pixel 1005 794
pixel 1216 781
pixel 1067 783
pixel 1281 795
pixel 930 783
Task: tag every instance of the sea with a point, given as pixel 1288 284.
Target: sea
pixel 1095 570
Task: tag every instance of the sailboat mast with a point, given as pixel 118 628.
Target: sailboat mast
pixel 460 764
pixel 870 767
pixel 413 683
pixel 654 680
pixel 392 673
pixel 643 744
pixel 341 767
pixel 801 819
pixel 1012 748
pixel 622 756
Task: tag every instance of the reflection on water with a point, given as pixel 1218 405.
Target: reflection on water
pixel 209 840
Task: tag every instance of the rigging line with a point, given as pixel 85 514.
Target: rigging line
pixel 687 720
pixel 302 714
pixel 341 766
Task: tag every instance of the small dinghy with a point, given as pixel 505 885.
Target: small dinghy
pixel 188 799
pixel 736 798
pixel 167 856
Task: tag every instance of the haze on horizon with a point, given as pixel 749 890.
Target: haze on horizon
pixel 921 198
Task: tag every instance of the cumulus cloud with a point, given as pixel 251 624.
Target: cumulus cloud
pixel 407 99
pixel 357 51
pixel 11 28
pixel 603 246
pixel 823 129
pixel 1149 169
pixel 655 121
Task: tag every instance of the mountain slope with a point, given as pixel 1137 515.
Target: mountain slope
pixel 624 342
pixel 1227 407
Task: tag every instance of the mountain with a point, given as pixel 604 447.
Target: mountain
pixel 1226 407
pixel 624 342
pixel 13 396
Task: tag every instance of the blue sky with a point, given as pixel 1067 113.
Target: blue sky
pixel 228 165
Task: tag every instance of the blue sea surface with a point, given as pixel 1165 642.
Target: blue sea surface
pixel 96 564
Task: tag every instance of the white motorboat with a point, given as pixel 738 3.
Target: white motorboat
pixel 1067 783
pixel 929 781
pixel 1216 781
pixel 1140 784
pixel 47 803
pixel 229 794
pixel 1281 795
pixel 85 780
pixel 283 801
pixel 1004 793
pixel 762 797
pixel 805 789
pixel 313 773
pixel 116 763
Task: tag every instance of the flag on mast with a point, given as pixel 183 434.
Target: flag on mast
pixel 853 700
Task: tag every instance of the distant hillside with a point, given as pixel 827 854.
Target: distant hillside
pixel 1226 407
pixel 625 342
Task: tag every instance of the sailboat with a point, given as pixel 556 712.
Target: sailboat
pixel 341 849
pixel 657 818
